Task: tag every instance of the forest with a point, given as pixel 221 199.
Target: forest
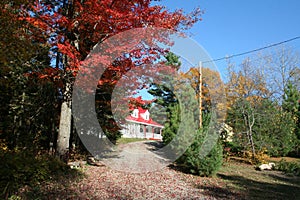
pixel 45 44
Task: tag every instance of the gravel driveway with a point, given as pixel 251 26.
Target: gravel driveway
pixel 137 157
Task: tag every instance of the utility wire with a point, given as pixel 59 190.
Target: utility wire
pixel 252 51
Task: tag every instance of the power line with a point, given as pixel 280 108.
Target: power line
pixel 252 51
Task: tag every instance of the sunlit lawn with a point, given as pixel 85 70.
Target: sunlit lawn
pixel 129 140
pixel 260 184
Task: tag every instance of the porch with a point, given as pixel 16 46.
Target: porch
pixel 135 130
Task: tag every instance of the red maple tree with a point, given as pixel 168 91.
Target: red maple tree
pixel 74 27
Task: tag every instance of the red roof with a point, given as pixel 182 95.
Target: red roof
pixel 141 120
pixel 141 110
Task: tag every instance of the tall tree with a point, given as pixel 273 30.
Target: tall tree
pixel 23 116
pixel 254 114
pixel 290 99
pixel 163 92
pixel 281 68
pixel 291 104
pixel 262 126
pixel 247 82
pixel 211 84
pixel 245 89
pixel 76 26
pixel 165 97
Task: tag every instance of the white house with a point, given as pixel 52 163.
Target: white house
pixel 140 125
pixel 226 132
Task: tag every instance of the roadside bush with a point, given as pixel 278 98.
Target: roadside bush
pixel 193 161
pixel 261 157
pixel 232 147
pixel 288 167
pixel 18 169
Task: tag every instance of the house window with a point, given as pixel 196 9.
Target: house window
pixel 141 129
pixel 135 113
pixel 149 129
pixel 157 130
pixel 146 116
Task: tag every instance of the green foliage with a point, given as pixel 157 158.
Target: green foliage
pixel 158 113
pixel 32 116
pixel 167 99
pixel 195 159
pixel 173 60
pixel 105 116
pixel 28 105
pixel 183 120
pixel 22 168
pixel 164 91
pixel 192 160
pixel 15 197
pixel 273 128
pixel 206 166
pixel 290 99
pixel 288 167
pixel 232 148
pixel 172 125
pixel 291 104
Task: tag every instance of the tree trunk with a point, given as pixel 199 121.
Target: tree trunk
pixel 63 138
pixel 251 124
pixel 252 143
pixel 65 123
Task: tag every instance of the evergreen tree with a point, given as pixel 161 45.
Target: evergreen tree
pixel 28 104
pixel 182 126
pixel 205 155
pixel 158 113
pixel 164 91
pixel 291 104
pixel 165 97
pixel 172 125
pixel 291 99
pixel 272 130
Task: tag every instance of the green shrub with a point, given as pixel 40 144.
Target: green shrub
pixel 193 161
pixel 183 124
pixel 18 169
pixel 288 167
pixel 14 197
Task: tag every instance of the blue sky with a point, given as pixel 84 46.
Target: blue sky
pixel 234 26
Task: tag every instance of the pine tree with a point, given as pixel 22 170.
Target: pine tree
pixel 291 99
pixel 165 97
pixel 291 104
pixel 172 125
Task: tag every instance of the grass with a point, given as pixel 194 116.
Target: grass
pixel 129 140
pixel 288 159
pixel 243 178
pixel 237 179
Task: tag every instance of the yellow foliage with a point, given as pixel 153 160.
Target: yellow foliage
pixel 3 145
pixel 251 87
pixel 212 88
pixel 260 157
